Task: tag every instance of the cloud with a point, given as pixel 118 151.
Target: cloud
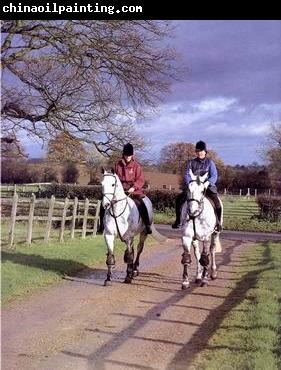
pixel 222 122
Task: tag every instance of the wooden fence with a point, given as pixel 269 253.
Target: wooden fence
pixel 50 211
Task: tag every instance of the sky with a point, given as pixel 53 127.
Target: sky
pixel 230 95
pixel 232 92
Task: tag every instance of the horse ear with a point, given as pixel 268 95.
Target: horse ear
pixel 204 177
pixel 193 177
pixel 112 170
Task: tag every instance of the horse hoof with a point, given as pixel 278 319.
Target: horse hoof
pixel 198 281
pixel 136 273
pixel 214 276
pixel 128 280
pixel 204 283
pixel 107 283
pixel 185 286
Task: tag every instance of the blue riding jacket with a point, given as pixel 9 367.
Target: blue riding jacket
pixel 200 167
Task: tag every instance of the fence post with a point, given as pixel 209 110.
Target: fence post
pixel 66 202
pixel 13 220
pixel 96 218
pixel 15 188
pixel 240 193
pixel 256 193
pixel 84 228
pixel 75 205
pixel 225 191
pixel 248 193
pixel 50 215
pixel 30 220
pixel 269 192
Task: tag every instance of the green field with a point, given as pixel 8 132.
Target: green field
pixel 247 327
pixel 239 214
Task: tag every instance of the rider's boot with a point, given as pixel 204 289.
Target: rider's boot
pixel 218 227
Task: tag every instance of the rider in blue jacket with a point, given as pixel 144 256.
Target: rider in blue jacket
pixel 199 166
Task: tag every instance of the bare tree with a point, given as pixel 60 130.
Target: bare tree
pixel 90 79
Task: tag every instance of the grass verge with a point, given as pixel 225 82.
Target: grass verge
pixel 26 270
pixel 248 335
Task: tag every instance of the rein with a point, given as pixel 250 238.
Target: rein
pixel 115 201
pixel 200 208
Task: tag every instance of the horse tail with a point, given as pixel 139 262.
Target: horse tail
pixel 156 235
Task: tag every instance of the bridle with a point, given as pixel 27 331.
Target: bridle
pixel 200 202
pixel 113 201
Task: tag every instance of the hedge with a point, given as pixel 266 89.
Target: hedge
pixel 161 199
pixel 270 207
pixel 71 191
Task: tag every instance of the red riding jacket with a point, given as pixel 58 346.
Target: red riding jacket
pixel 130 175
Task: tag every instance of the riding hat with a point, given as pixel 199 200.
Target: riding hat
pixel 128 149
pixel 200 145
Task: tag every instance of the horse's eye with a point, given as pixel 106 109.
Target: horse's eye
pixel 112 184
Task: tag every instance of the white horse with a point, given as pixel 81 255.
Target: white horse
pixel 122 219
pixel 199 222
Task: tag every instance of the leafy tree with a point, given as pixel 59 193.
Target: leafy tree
pixel 174 157
pixel 66 148
pixel 272 153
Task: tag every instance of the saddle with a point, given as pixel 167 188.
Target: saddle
pixel 184 209
pixel 141 204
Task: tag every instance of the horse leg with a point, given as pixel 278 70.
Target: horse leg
pixel 143 237
pixel 204 261
pixel 129 259
pixel 110 260
pixel 198 279
pixel 186 261
pixel 214 273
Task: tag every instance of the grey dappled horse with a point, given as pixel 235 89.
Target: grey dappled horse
pixel 122 219
pixel 199 221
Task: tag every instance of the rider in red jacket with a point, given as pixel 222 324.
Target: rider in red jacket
pixel 131 176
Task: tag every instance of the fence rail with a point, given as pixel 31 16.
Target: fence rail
pixel 50 210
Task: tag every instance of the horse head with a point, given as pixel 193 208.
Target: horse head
pixel 111 187
pixel 196 191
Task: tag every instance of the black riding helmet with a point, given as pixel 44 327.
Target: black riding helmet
pixel 128 149
pixel 201 145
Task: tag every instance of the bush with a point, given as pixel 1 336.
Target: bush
pixel 70 191
pixel 70 172
pixel 270 207
pixel 162 200
pixel 15 172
